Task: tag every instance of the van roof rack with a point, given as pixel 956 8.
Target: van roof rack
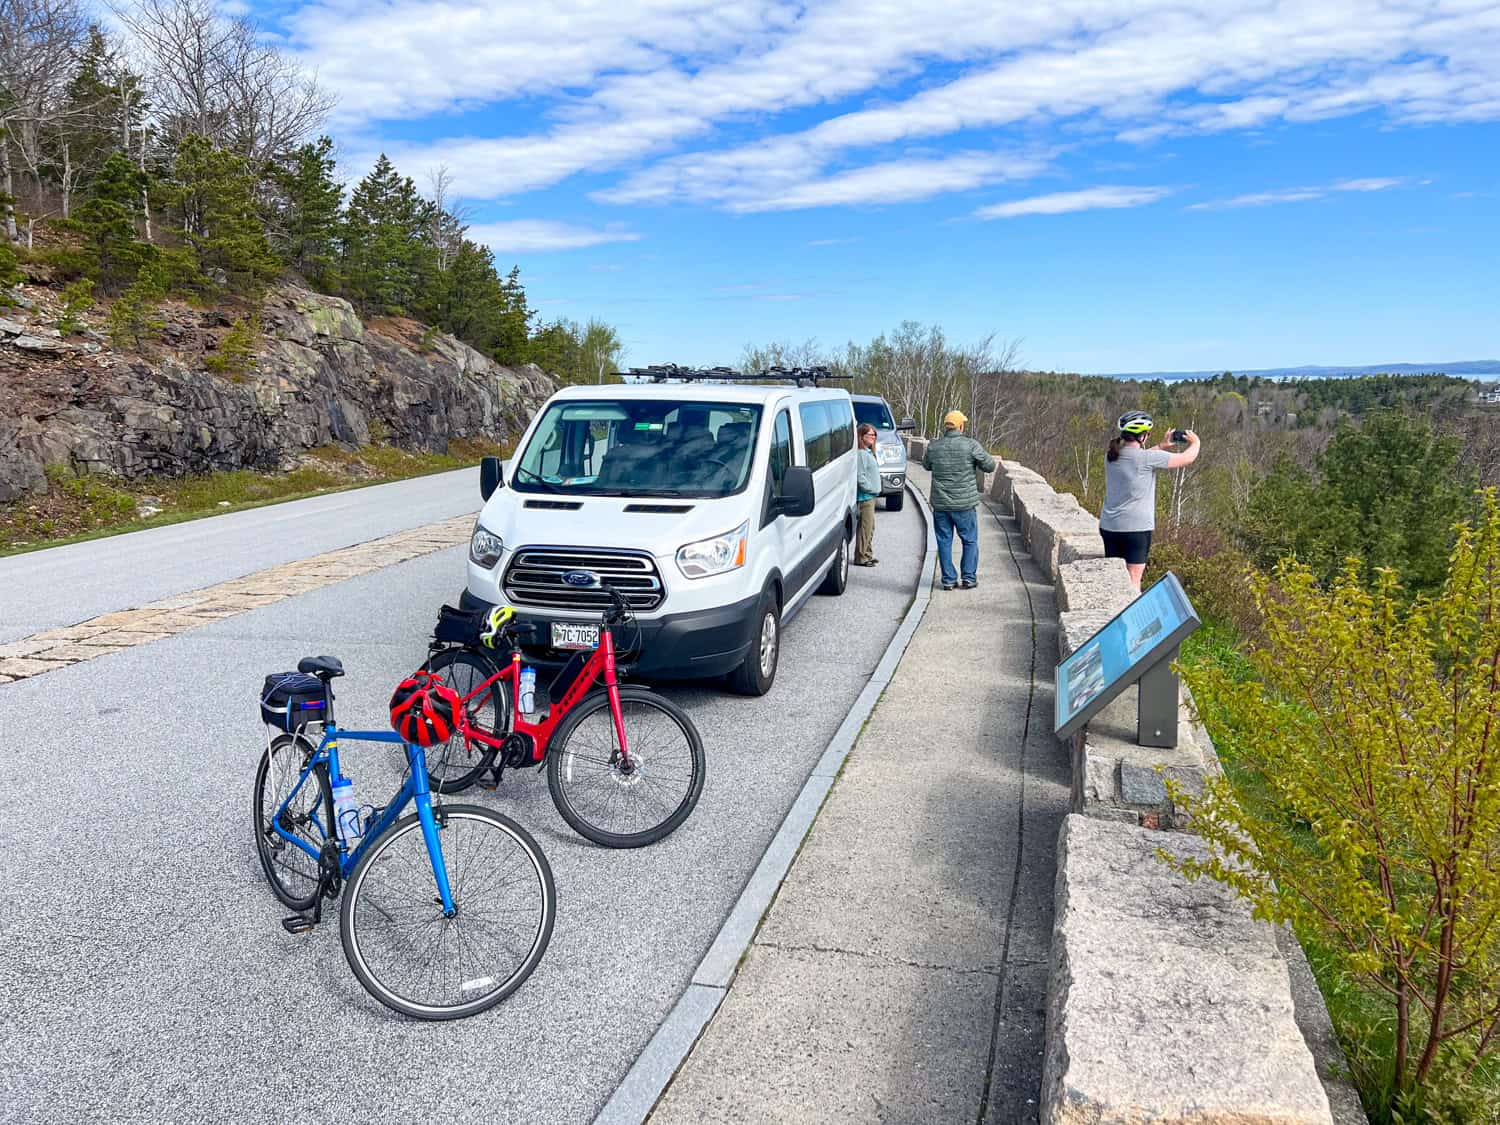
pixel 668 372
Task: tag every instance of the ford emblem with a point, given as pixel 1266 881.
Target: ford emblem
pixel 584 578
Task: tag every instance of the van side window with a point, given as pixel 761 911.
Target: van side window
pixel 841 418
pixel 815 434
pixel 781 451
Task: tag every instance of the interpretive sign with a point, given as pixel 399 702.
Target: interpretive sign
pixel 1138 646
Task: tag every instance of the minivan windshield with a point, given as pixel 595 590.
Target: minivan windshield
pixel 875 414
pixel 639 447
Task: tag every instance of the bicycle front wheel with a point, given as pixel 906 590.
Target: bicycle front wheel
pixel 615 804
pixel 292 872
pixel 421 963
pixel 459 762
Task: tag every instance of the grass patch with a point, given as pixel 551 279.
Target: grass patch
pixel 83 506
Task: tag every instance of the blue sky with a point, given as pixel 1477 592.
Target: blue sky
pixel 1189 184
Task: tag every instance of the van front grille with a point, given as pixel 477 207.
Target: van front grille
pixel 535 578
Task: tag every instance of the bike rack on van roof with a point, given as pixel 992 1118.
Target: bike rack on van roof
pixel 667 372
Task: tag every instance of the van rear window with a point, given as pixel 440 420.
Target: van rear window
pixel 640 447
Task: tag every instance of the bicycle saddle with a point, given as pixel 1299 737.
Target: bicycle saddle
pixel 323 666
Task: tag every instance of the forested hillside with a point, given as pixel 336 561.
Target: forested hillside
pixel 183 160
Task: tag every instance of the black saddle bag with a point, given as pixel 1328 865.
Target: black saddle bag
pixel 290 700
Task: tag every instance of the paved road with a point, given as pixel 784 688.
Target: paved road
pixel 145 973
pixel 66 585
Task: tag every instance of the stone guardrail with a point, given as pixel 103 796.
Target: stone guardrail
pixel 1167 1002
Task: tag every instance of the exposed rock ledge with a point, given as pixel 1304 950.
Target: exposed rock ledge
pixel 322 375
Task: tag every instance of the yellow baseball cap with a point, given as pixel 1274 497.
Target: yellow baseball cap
pixel 954 419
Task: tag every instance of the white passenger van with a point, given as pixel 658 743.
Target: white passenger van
pixel 715 509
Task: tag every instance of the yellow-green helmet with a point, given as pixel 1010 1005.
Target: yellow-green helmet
pixel 1135 422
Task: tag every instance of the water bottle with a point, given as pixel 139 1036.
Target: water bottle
pixel 346 812
pixel 527 689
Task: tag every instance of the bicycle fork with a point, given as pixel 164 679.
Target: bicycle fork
pixel 429 822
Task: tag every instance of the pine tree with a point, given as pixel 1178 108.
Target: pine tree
pixel 305 214
pixel 212 197
pixel 103 103
pixel 387 261
pixel 107 221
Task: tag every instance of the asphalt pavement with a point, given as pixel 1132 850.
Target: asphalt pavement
pixel 145 974
pixel 66 585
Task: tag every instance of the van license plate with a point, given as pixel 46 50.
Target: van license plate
pixel 568 635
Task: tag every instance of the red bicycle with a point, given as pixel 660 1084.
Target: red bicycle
pixel 624 765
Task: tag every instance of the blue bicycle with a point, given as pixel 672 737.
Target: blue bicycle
pixel 446 911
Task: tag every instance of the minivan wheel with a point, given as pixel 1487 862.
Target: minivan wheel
pixel 838 574
pixel 756 675
pixel 894 501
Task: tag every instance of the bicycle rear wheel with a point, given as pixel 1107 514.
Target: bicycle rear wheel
pixel 459 763
pixel 292 873
pixel 418 962
pixel 601 799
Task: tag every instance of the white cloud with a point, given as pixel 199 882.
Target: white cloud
pixel 614 85
pixel 1063 202
pixel 1298 194
pixel 522 236
pixel 781 177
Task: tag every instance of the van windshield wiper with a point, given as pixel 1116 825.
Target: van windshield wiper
pixel 541 480
pixel 652 492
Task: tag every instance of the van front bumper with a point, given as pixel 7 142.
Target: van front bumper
pixel 891 483
pixel 694 645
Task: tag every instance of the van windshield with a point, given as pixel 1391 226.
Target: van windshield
pixel 875 414
pixel 639 447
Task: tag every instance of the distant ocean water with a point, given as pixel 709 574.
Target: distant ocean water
pixel 1481 369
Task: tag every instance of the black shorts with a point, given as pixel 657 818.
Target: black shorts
pixel 1132 546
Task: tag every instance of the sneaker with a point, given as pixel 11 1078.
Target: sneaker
pixel 949 586
pixel 969 584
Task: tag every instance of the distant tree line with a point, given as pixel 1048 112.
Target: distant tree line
pixel 184 158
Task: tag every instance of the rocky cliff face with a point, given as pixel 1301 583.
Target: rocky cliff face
pixel 321 376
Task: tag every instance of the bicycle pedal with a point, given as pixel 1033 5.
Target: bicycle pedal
pixel 298 924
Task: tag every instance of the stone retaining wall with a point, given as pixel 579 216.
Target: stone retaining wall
pixel 1167 1003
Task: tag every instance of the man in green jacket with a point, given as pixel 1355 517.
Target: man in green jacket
pixel 952 459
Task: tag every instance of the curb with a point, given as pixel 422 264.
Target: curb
pixel 648 1077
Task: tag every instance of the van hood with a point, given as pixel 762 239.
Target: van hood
pixel 656 524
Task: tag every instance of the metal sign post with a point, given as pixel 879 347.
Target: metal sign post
pixel 1156 702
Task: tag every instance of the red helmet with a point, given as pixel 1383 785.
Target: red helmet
pixel 424 710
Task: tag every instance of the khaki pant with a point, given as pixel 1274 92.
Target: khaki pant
pixel 866 550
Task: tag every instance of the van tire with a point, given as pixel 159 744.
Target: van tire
pixel 838 574
pixel 895 501
pixel 752 677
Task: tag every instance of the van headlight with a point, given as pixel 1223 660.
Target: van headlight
pixel 485 547
pixel 889 455
pixel 718 555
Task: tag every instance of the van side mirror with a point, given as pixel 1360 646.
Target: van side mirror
pixel 908 423
pixel 796 497
pixel 491 476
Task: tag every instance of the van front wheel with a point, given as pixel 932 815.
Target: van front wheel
pixel 756 675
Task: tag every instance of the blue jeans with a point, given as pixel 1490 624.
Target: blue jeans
pixel 967 526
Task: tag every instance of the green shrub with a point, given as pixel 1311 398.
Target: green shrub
pixel 133 320
pixel 77 299
pixel 1217 578
pixel 1374 825
pixel 10 266
pixel 236 355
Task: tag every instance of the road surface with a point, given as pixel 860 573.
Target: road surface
pixel 146 975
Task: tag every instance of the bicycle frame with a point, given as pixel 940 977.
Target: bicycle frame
pixel 415 788
pixel 601 663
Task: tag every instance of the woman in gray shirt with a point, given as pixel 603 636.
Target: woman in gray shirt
pixel 1129 514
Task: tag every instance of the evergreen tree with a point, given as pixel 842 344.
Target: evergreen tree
pixel 107 221
pixel 305 212
pixel 103 103
pixel 387 261
pixel 212 198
